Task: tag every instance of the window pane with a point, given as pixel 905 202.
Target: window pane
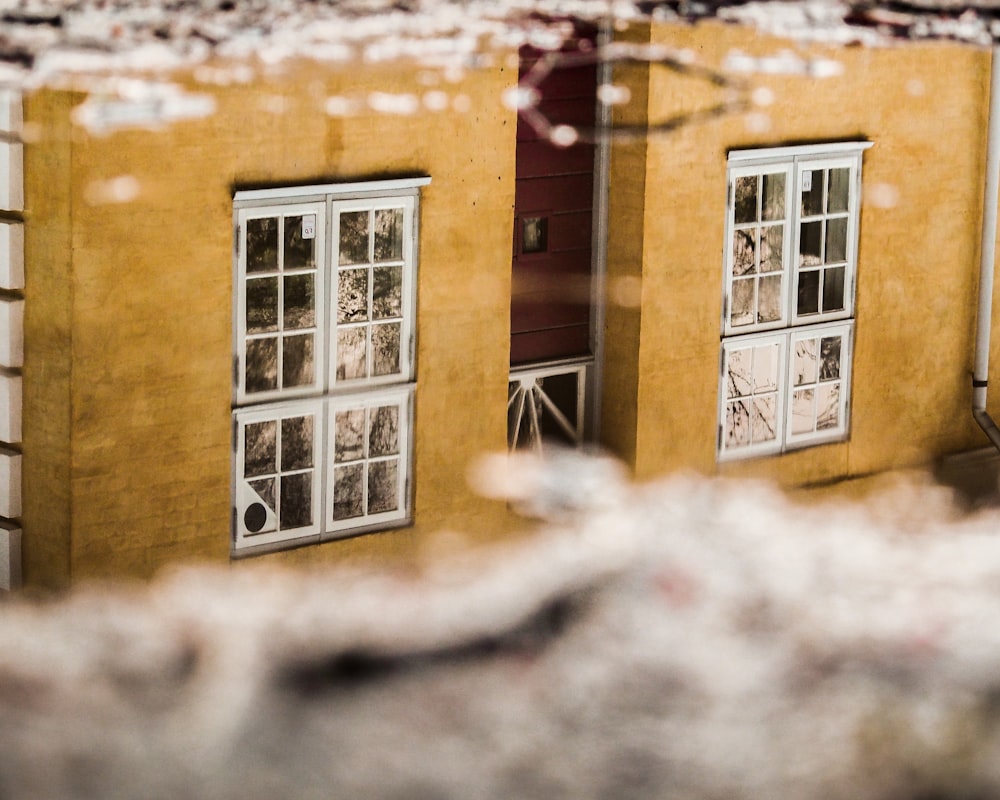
pixel 300 302
pixel 840 182
pixel 255 516
pixel 296 501
pixel 811 244
pixel 352 295
pixel 827 406
pixel 348 491
pixel 812 200
pixel 806 362
pixel 744 255
pixel 836 240
pixel 742 311
pixel 262 244
pixel 534 235
pixel 808 292
pixel 803 415
pixel 296 443
pixel 772 255
pixel 387 292
pixel 765 422
pixel 383 437
pixel 385 349
pixel 262 365
pixel 769 299
pixel 833 289
pixel 300 252
pixel 351 354
pixel 260 448
pixel 354 237
pixel 389 234
pixel 349 443
pixel 829 354
pixel 297 361
pixel 265 491
pixel 262 305
pixel 382 486
pixel 746 199
pixel 737 424
pixel 774 197
pixel 765 367
pixel 738 369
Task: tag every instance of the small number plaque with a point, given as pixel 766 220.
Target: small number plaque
pixel 309 226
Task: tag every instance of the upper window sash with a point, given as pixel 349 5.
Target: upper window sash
pixel 373 273
pixel 279 309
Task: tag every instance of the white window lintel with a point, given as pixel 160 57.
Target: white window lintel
pixel 796 152
pixel 345 190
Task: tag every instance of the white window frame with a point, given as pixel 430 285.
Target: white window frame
pixel 325 395
pixel 791 327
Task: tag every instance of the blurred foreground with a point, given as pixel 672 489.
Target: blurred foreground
pixel 688 639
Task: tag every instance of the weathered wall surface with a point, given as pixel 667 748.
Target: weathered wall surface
pixel 924 109
pixel 147 294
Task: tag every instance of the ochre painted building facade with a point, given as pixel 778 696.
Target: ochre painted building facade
pixel 128 443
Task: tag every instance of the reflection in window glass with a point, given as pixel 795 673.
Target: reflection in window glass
pixel 266 492
pixel 739 366
pixel 383 437
pixel 765 367
pixel 812 199
pixel 387 299
pixel 803 411
pixel 296 443
pixel 262 245
pixel 772 255
pixel 385 349
pixel 808 295
pixel 299 302
pixel 830 357
pixel 811 244
pixel 349 443
pixel 744 252
pixel 354 237
pixel 827 406
pixel 765 419
pixel 805 362
pixel 534 235
pixel 737 424
pixel 297 361
pixel 348 491
pixel 388 234
pixel 352 295
pixel 296 500
pixel 833 289
pixel 746 199
pixel 839 189
pixel 262 305
pixel 262 365
pixel 352 354
pixel 382 487
pixel 836 240
pixel 774 197
pixel 769 300
pixel 300 252
pixel 260 448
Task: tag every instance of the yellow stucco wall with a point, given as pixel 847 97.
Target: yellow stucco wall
pixel 129 322
pixel 924 108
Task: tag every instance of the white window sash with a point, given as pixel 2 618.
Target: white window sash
pixel 735 403
pixel 820 389
pixel 241 281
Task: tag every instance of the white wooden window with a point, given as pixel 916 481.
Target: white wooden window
pixel 790 266
pixel 324 323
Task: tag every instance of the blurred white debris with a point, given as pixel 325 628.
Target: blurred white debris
pixel 121 189
pixel 126 104
pixel 784 62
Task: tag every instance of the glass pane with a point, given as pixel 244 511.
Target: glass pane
pixel 829 356
pixel 354 237
pixel 806 362
pixel 351 354
pixel 811 244
pixel 534 234
pixel 385 349
pixel 812 200
pixel 746 199
pixel 833 289
pixel 300 302
pixel 297 361
pixel 262 244
pixel 744 252
pixel 764 422
pixel 383 484
pixel 260 448
pixel 737 424
pixel 383 437
pixel 389 234
pixel 840 183
pixel 262 365
pixel 742 311
pixel 296 501
pixel 348 492
pixel 803 415
pixel 738 367
pixel 827 406
pixel 300 249
pixel 349 442
pixel 836 240
pixel 352 295
pixel 387 299
pixel 296 443
pixel 265 491
pixel 772 255
pixel 769 299
pixel 262 305
pixel 808 292
pixel 765 368
pixel 774 197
